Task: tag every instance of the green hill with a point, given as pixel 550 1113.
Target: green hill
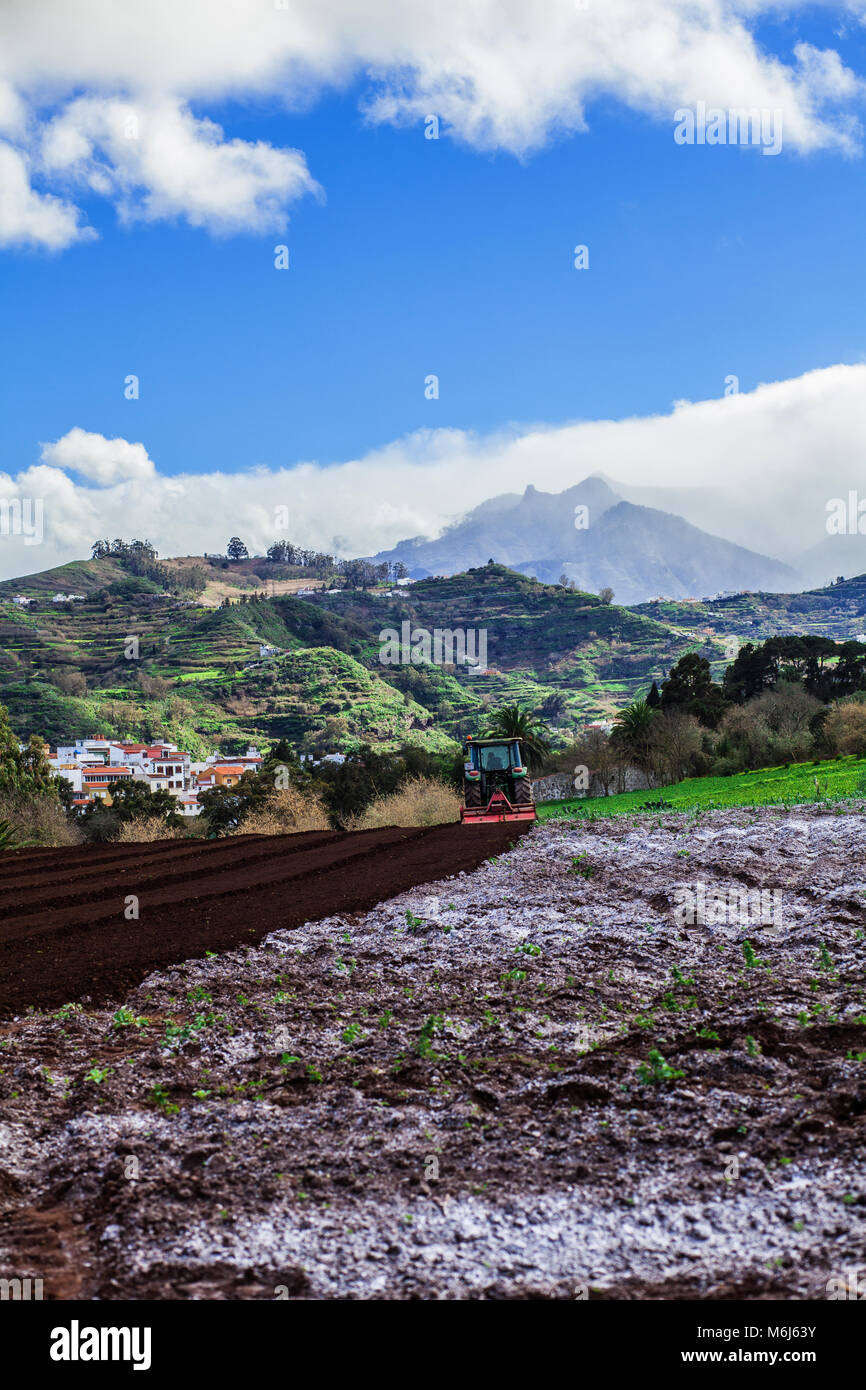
pixel 542 640
pixel 837 611
pixel 133 659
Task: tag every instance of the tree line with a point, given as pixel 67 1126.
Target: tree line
pixel 785 700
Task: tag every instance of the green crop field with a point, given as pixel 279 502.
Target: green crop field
pixel 837 780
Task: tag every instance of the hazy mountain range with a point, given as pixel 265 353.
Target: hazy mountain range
pixel 596 538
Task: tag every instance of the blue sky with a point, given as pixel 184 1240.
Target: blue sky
pixel 451 257
pixel 427 257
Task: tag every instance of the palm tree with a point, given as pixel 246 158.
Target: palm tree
pixel 634 728
pixel 513 722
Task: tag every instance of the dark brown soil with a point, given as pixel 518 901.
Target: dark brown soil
pixel 530 1081
pixel 65 935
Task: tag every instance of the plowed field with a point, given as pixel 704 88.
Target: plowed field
pixel 68 927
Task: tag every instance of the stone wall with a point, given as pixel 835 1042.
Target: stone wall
pixel 555 788
pixel 560 785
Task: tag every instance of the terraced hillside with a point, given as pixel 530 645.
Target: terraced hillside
pixel 837 611
pixel 196 673
pixel 542 639
pixel 142 663
pixel 132 659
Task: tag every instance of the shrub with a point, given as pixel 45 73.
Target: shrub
pixel 287 812
pixel 144 830
pixel 420 801
pixel 845 728
pixel 38 820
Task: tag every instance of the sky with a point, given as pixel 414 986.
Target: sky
pixel 153 158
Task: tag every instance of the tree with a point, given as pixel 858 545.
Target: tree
pixel 776 726
pixel 606 594
pixel 236 550
pixel 633 732
pixel 134 800
pixel 845 727
pixel 654 699
pixel 598 754
pixel 225 807
pixel 690 688
pixel 753 670
pixel 24 771
pixel 69 681
pixel 676 739
pixel 513 722
pixel 553 707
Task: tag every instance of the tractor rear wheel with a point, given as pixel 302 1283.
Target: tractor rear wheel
pixel 522 791
pixel 472 794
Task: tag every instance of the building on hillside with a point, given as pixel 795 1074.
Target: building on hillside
pixel 91 765
pixel 71 771
pixel 168 765
pixel 89 749
pixel 21 599
pixel 133 754
pixel 96 783
pixel 228 774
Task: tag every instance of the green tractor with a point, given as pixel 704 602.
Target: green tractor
pixel 496 785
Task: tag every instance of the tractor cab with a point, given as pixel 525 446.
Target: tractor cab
pixel 496 785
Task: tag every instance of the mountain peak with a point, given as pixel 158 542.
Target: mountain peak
pixel 596 539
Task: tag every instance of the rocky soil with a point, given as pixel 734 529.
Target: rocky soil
pixel 532 1080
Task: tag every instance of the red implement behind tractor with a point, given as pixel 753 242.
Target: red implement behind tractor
pixel 496 785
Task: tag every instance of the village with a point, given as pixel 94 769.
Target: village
pixel 94 766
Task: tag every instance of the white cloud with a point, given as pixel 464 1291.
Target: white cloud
pixel 783 451
pixel 32 219
pixel 157 161
pixel 102 460
pixel 500 74
pixel 13 113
